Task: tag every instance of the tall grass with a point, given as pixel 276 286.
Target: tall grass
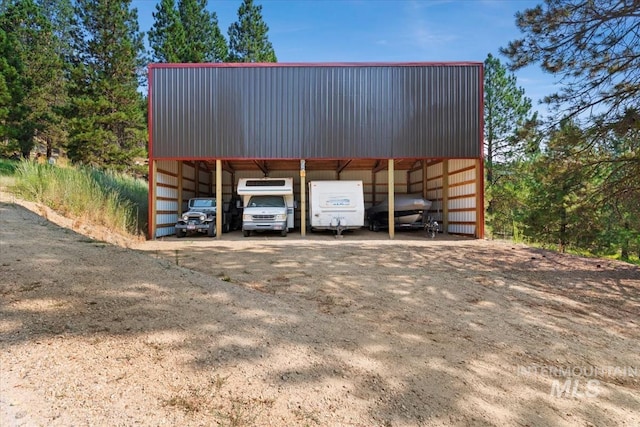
pixel 115 201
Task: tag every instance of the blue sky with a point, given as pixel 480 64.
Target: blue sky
pixel 385 31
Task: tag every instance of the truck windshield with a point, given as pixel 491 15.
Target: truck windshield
pixel 203 203
pixel 266 202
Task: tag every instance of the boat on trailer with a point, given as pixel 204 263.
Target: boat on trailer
pixel 408 212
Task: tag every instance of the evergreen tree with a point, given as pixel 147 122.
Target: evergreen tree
pixel 33 73
pixel 507 138
pixel 203 40
pixel 506 111
pixel 558 208
pixel 594 47
pixel 167 36
pixel 11 88
pixel 594 50
pixel 108 128
pixel 248 40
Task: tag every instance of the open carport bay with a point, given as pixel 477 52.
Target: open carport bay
pixel 322 331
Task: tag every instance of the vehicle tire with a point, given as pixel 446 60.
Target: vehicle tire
pixel 246 233
pixel 225 228
pixel 376 226
pixel 283 233
pixel 211 231
pixel 181 233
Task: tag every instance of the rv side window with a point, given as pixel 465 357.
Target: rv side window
pixel 266 183
pixel 266 202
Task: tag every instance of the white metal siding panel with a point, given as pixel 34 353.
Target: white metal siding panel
pixel 320 175
pixel 167 219
pixel 465 203
pixel 465 216
pixel 355 175
pixel 457 164
pixel 188 171
pixel 434 183
pixel 167 165
pixel 462 229
pixel 170 193
pixel 456 178
pixel 434 170
pixel 462 190
pixel 162 178
pixel 167 205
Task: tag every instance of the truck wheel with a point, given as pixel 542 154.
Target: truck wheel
pixel 246 233
pixel 180 233
pixel 211 231
pixel 375 227
pixel 283 233
pixel 225 228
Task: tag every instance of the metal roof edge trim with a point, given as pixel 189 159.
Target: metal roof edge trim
pixel 275 159
pixel 313 64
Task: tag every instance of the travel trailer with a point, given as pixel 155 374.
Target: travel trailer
pixel 336 205
pixel 268 204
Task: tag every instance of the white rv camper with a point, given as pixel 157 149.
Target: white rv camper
pixel 268 204
pixel 336 205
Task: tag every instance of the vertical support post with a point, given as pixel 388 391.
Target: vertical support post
pixel 219 206
pixel 153 189
pixel 179 188
pixel 303 199
pixel 391 191
pixel 373 187
pixel 479 198
pixel 424 179
pixel 445 196
pixel 196 173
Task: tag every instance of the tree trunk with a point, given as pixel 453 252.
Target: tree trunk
pixel 625 242
pixel 563 230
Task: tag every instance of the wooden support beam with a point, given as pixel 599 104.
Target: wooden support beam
pixel 262 165
pixel 424 178
pixel 479 198
pixel 391 201
pixel 373 190
pixel 179 188
pixel 219 206
pixel 342 165
pixel 379 166
pixel 153 170
pixel 445 196
pixel 196 171
pixel 416 166
pixel 227 167
pixel 303 198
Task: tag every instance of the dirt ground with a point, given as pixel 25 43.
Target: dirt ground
pixel 270 331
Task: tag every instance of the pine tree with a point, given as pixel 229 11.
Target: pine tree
pixel 507 127
pixel 506 111
pixel 248 40
pixel 33 72
pixel 593 47
pixel 203 40
pixel 108 128
pixel 167 36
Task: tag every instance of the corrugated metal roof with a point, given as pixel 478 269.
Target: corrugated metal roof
pixel 314 111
